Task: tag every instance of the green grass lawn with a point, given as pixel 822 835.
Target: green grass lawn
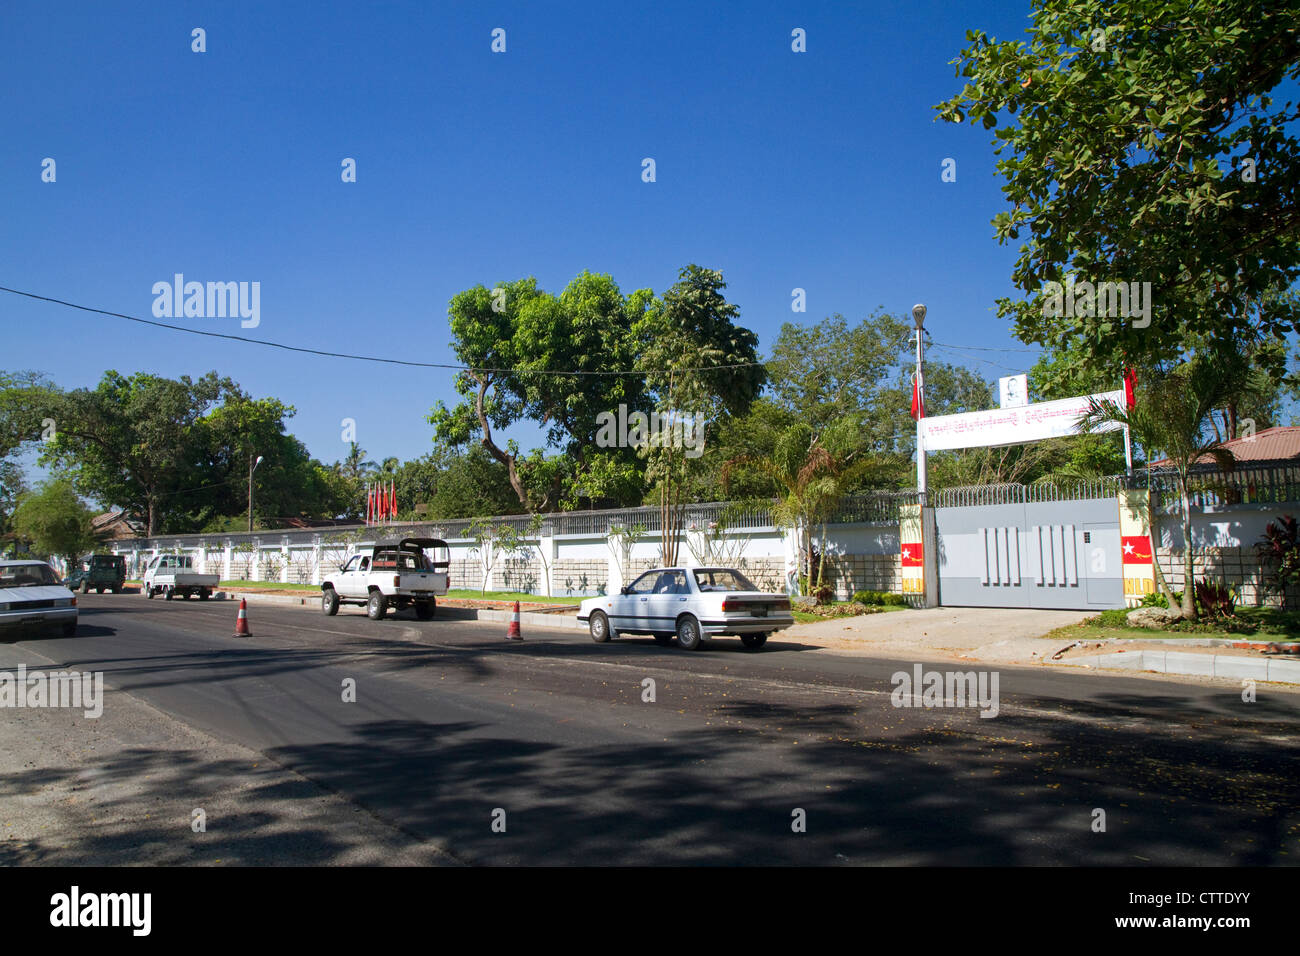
pixel 1248 623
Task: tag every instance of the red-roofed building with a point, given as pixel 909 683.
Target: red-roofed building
pixel 1280 443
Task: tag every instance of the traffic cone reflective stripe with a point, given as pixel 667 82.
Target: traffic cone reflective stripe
pixel 514 634
pixel 241 622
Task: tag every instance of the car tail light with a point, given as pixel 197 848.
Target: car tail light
pixel 728 606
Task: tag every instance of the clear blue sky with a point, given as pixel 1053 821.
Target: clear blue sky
pixel 818 170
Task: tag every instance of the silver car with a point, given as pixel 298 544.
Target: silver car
pixel 31 595
pixel 692 604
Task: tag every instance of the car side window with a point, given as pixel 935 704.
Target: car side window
pixel 364 565
pixel 671 582
pixel 645 584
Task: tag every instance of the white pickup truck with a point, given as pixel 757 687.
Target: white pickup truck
pixel 172 574
pixel 393 574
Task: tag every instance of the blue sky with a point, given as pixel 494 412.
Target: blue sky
pixel 818 170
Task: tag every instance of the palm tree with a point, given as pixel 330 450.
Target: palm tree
pixel 355 467
pixel 1172 416
pixel 815 472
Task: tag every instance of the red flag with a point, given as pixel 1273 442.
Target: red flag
pixel 913 555
pixel 1136 549
pixel 1130 388
pixel 394 499
pixel 383 502
pixel 918 396
pixel 370 505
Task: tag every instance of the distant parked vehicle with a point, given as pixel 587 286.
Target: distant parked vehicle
pixel 692 604
pixel 32 595
pixel 172 574
pixel 393 574
pixel 100 573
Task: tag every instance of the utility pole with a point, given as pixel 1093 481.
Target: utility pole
pixel 918 317
pixel 252 467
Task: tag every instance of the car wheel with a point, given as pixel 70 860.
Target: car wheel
pixel 377 606
pixel 85 587
pixel 204 594
pixel 185 595
pixel 70 629
pixel 167 594
pixel 146 591
pixel 424 609
pixel 117 589
pixel 663 640
pixel 329 602
pixel 688 633
pixel 599 626
pixel 753 641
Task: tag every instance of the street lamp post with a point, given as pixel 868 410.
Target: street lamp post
pixel 252 467
pixel 918 317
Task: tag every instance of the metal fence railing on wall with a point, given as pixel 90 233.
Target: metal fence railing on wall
pixel 1210 487
pixel 1017 494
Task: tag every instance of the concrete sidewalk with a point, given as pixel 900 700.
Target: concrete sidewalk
pixel 1016 636
pixel 993 635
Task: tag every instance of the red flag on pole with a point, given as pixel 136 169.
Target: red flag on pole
pixel 367 504
pixel 918 396
pixel 394 498
pixel 1130 388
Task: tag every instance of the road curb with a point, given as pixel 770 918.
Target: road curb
pixel 1194 665
pixel 527 618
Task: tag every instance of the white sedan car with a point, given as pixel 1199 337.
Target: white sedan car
pixel 31 595
pixel 694 604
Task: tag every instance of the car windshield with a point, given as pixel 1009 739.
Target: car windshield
pixel 717 579
pixel 26 575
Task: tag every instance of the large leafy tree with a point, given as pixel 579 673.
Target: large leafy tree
pixel 1143 143
pixel 825 373
pixel 55 520
pixel 699 365
pixel 136 441
pixel 26 408
pixel 535 356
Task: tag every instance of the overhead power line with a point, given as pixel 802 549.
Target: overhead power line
pixel 440 365
pixel 349 355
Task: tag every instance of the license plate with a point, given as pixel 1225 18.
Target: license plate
pixel 34 619
pixel 760 612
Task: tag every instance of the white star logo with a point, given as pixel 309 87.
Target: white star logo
pixel 1128 547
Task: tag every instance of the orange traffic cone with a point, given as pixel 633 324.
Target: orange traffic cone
pixel 514 634
pixel 241 622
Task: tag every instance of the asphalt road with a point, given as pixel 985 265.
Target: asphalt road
pixel 452 723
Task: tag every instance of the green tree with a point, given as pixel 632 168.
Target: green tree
pixel 699 364
pixel 55 520
pixel 534 356
pixel 1145 145
pixel 470 484
pixel 135 441
pixel 1171 417
pixel 814 472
